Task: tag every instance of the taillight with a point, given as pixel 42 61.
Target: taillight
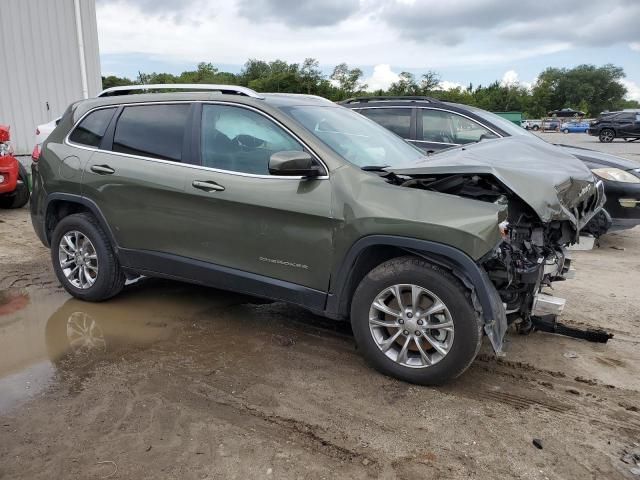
pixel 35 155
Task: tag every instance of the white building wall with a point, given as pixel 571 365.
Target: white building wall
pixel 40 72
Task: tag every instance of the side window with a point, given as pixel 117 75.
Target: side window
pixel 447 127
pixel 152 131
pixel 398 120
pixel 92 128
pixel 241 140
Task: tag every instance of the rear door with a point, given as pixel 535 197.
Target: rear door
pixel 137 173
pixel 627 124
pixel 439 129
pixel 246 219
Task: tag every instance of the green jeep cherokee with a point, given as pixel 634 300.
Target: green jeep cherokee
pixel 294 198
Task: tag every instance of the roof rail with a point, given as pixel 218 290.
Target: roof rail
pixel 400 98
pixel 229 89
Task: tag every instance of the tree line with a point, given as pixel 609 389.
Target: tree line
pixel 587 88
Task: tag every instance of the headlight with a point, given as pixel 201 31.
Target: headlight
pixel 616 175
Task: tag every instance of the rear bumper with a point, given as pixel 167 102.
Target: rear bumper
pixel 9 170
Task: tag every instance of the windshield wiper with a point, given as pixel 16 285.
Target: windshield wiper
pixel 374 168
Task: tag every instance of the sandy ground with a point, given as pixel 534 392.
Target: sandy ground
pixel 174 381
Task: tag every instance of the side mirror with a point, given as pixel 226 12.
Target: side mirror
pixel 294 163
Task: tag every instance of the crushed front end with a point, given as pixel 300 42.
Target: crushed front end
pixel 546 209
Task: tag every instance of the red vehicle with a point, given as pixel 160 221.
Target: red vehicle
pixel 14 182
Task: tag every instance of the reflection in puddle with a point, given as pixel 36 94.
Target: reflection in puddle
pixel 12 300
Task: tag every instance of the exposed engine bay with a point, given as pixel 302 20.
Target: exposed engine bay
pixel 532 254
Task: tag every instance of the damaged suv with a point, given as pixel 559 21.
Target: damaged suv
pixel 294 198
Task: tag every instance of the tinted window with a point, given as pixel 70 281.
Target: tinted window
pixel 241 140
pixel 450 128
pixel 398 120
pixel 626 117
pixel 152 131
pixel 92 128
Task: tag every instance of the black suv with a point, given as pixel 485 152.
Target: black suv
pixel 610 126
pixel 434 126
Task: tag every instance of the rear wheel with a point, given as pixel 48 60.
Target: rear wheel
pixel 415 321
pixel 84 260
pixel 607 135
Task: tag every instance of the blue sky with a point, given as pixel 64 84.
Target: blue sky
pixel 476 41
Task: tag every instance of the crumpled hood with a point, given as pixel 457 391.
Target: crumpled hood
pixel 552 182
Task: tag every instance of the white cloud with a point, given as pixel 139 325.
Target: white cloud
pixel 382 77
pixel 635 46
pixel 447 85
pixel 510 78
pixel 633 89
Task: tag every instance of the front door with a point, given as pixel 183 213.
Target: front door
pixel 251 221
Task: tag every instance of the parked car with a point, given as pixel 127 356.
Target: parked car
pixel 414 119
pixel 550 125
pixel 14 180
pixel 574 127
pixel 531 124
pixel 614 125
pixel 294 198
pixel 566 113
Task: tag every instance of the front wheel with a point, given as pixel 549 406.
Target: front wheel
pixel 607 135
pixel 84 260
pixel 415 321
pixel 566 130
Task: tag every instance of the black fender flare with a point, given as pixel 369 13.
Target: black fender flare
pixel 85 202
pixel 463 266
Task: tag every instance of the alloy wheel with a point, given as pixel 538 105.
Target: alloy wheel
pixel 78 259
pixel 411 325
pixel 606 136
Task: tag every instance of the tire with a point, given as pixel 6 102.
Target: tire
pixel 599 224
pixel 109 278
pixel 606 135
pixel 462 342
pixel 536 128
pixel 20 197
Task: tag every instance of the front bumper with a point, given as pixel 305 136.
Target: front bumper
pixel 623 200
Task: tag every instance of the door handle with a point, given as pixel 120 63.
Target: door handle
pixel 102 169
pixel 207 186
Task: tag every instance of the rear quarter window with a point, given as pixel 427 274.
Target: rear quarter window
pixel 92 128
pixel 155 131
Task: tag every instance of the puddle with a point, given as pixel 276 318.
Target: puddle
pixel 41 330
pixel 47 337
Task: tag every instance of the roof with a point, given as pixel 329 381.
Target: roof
pixel 276 100
pixel 390 98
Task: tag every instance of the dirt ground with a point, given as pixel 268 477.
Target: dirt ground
pixel 174 381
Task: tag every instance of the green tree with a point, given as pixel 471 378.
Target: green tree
pixel 113 81
pixel 430 82
pixel 405 85
pixel 348 80
pixel 311 75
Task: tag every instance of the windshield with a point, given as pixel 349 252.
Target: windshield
pixel 355 138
